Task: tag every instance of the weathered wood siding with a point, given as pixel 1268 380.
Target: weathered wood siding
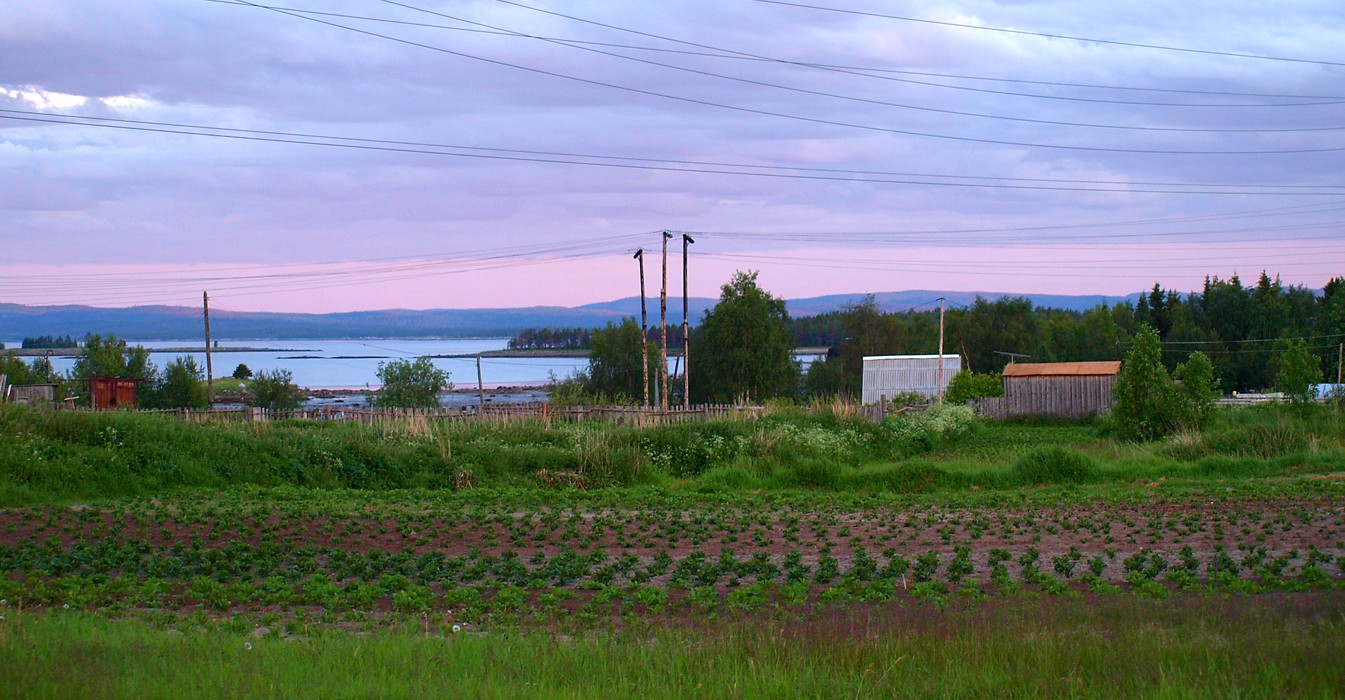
pixel 33 394
pixel 1067 396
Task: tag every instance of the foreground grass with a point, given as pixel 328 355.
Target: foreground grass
pixel 1108 647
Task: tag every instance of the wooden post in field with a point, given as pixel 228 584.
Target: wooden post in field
pixel 940 348
pixel 663 325
pixel 644 333
pixel 209 369
pixel 480 389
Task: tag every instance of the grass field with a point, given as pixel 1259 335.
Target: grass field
pixel 800 555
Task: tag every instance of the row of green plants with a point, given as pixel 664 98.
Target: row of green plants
pixel 505 585
pixel 239 563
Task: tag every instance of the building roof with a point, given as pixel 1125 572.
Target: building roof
pixel 1062 369
pixel 909 357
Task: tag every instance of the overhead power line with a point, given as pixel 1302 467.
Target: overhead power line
pixel 864 71
pixel 721 52
pixel 876 102
pixel 1045 35
pixel 671 165
pixel 792 117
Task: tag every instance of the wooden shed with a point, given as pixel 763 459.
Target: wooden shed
pixel 1065 389
pixel 107 393
pixel 33 394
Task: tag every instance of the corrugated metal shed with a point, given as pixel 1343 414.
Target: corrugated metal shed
pixel 885 376
pixel 112 392
pixel 1064 389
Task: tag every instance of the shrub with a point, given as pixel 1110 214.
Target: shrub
pixel 276 390
pixel 967 385
pixel 922 431
pixel 1199 388
pixel 408 384
pixel 908 477
pixel 182 385
pixel 1148 405
pixel 1296 370
pixel 817 473
pixel 1054 464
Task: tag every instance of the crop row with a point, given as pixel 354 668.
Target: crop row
pixel 649 530
pixel 240 563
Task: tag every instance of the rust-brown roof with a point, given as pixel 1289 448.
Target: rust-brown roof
pixel 1062 369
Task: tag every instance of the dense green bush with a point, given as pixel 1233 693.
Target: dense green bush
pixel 411 384
pixel 276 390
pixel 1054 464
pixel 967 385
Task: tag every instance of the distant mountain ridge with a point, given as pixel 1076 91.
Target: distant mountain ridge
pixel 179 322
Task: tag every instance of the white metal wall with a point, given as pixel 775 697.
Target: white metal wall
pixel 889 375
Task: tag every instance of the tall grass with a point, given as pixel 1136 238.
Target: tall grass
pixel 64 455
pixel 1111 647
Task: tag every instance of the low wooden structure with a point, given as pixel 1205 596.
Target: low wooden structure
pixel 107 393
pixel 43 395
pixel 1060 389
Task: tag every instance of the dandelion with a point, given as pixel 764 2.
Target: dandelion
pixel 247 645
pixel 457 628
pixel 66 606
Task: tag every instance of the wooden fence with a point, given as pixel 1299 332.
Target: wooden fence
pixel 507 413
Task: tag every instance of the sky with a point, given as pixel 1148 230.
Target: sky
pixel 368 154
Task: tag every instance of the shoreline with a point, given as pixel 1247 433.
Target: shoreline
pixel 512 388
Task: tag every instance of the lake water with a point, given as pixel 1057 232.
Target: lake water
pixel 353 363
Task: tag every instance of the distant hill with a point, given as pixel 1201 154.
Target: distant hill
pixel 178 323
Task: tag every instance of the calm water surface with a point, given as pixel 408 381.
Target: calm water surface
pixel 353 363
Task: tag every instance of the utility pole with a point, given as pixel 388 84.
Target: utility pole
pixel 644 333
pixel 1340 360
pixel 209 369
pixel 663 325
pixel 686 329
pixel 940 348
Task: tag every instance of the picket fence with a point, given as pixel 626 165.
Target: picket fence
pixel 502 414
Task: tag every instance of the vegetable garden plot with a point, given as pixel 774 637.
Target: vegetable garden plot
pixel 491 556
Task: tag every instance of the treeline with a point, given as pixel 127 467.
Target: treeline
pixel 1237 326
pixel 579 338
pixel 43 342
pixel 553 339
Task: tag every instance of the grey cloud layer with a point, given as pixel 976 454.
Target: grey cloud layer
pixel 85 193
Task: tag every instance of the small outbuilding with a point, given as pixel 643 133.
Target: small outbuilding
pixel 107 393
pixel 886 376
pixel 32 394
pixel 1064 389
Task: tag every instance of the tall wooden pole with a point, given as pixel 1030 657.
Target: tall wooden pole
pixel 941 348
pixel 663 325
pixel 644 333
pixel 1340 360
pixel 686 329
pixel 209 368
